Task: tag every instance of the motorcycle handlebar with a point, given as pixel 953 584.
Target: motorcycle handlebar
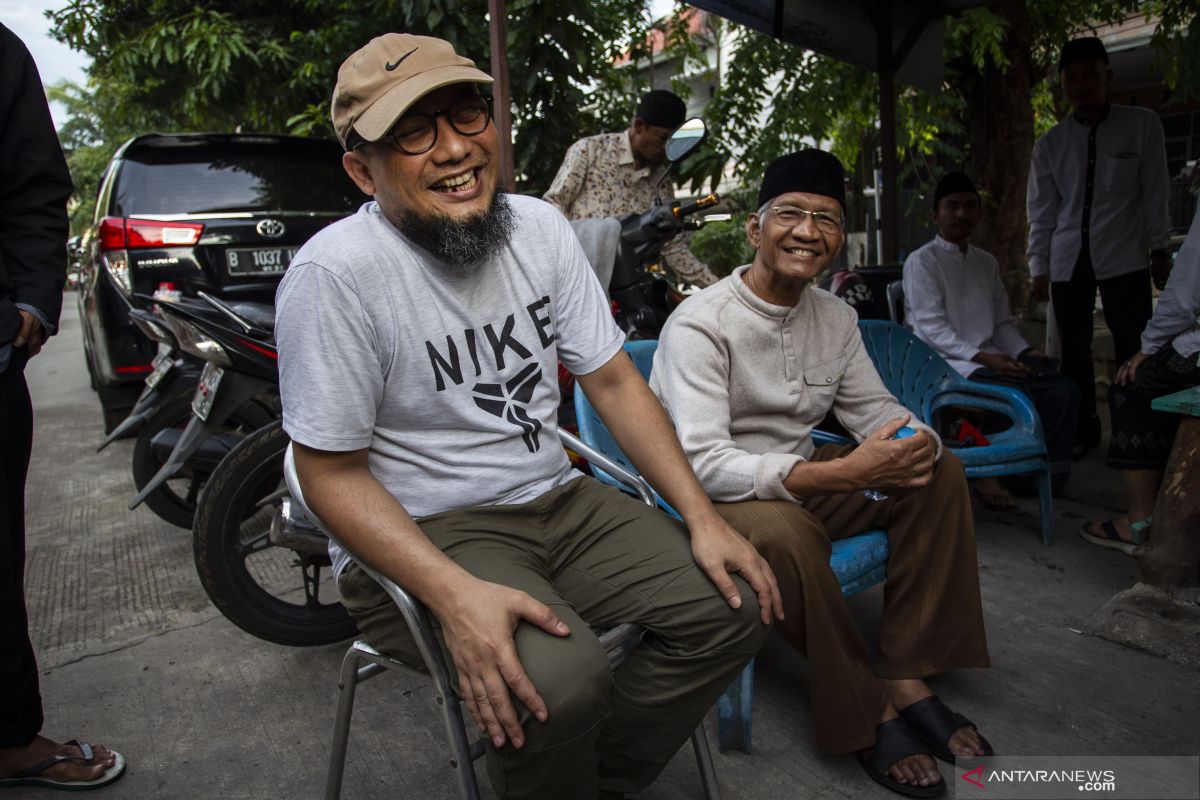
pixel 708 200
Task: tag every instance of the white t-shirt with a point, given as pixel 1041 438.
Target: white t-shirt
pixel 449 377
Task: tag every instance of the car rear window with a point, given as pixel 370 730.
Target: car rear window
pixel 211 177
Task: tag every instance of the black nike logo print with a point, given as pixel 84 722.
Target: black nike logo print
pixel 396 63
pixel 507 402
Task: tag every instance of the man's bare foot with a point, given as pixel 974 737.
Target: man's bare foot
pixel 991 493
pixel 15 760
pixel 965 741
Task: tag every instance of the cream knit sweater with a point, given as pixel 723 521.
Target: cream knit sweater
pixel 745 381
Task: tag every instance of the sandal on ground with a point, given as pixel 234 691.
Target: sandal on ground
pixel 993 500
pixel 895 740
pixel 34 777
pixel 935 723
pixel 1111 538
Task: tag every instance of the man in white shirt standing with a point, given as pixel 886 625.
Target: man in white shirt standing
pixel 1097 204
pixel 956 303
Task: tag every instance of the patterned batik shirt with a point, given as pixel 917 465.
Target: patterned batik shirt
pixel 598 178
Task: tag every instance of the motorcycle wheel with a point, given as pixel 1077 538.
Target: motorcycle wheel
pixel 175 500
pixel 270 592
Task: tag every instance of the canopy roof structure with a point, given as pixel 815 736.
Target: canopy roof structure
pixel 902 41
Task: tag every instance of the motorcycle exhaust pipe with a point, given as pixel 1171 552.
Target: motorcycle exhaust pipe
pixel 291 529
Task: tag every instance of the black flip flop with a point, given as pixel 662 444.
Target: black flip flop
pixel 935 724
pixel 895 740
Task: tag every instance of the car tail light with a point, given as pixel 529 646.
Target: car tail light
pixel 119 235
pixel 154 233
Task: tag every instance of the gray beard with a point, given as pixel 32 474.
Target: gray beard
pixel 463 245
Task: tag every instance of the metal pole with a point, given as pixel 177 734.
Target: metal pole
pixel 502 102
pixel 887 129
pixel 878 216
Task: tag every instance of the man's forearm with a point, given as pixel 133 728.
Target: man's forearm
pixel 369 522
pixel 821 477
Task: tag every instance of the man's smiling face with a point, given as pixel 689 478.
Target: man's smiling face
pixel 796 254
pixel 455 180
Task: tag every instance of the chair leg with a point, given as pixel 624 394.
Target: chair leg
pixel 708 773
pixel 461 760
pixel 347 683
pixel 734 712
pixel 1046 501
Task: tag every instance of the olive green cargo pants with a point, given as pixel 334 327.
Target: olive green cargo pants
pixel 598 558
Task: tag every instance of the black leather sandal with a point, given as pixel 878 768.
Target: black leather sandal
pixel 935 724
pixel 895 740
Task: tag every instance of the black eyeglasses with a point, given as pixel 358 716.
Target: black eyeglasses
pixel 417 133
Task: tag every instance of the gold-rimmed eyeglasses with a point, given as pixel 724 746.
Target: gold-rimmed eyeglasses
pixel 416 132
pixel 791 216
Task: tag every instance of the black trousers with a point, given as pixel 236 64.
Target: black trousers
pixel 20 699
pixel 1127 309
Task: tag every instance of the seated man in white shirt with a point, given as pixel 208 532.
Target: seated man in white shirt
pixel 955 302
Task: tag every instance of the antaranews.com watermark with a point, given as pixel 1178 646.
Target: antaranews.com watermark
pixel 1078 777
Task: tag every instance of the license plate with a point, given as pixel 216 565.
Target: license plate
pixel 251 261
pixel 206 391
pixel 162 365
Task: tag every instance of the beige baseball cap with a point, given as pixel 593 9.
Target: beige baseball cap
pixel 378 83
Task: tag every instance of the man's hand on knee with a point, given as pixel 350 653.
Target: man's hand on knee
pixel 721 551
pixel 478 628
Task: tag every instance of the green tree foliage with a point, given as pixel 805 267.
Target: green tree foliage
pixel 251 65
pixel 775 97
pixel 997 96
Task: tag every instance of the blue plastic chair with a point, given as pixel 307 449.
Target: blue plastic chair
pixel 923 382
pixel 859 562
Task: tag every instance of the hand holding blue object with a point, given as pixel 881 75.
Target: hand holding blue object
pixel 875 494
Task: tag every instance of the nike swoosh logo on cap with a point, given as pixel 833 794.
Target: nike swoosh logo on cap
pixel 396 63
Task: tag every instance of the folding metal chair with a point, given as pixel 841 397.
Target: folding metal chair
pixel 362 661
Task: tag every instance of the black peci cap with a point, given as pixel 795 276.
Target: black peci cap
pixel 1086 48
pixel 662 109
pixel 952 183
pixel 812 171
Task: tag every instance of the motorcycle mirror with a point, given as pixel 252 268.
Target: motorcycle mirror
pixel 686 138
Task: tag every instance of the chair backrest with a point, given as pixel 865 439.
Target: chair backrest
pixel 895 301
pixel 593 431
pixel 911 370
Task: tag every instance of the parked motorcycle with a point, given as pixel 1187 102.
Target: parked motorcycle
pixel 274 588
pixel 163 412
pixel 642 294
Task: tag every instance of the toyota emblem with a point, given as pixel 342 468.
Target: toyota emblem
pixel 270 228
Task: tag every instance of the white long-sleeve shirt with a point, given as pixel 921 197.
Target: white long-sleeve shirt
pixel 1175 316
pixel 956 303
pixel 1128 215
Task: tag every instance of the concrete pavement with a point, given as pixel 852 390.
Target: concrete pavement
pixel 133 655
